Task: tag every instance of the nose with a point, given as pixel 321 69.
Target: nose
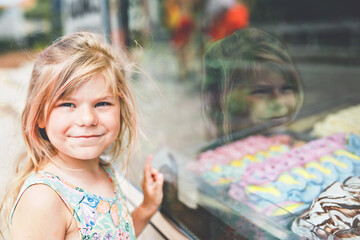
pixel 276 93
pixel 86 116
pixel 277 107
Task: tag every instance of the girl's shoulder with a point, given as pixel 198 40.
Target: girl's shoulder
pixel 39 211
pixel 38 199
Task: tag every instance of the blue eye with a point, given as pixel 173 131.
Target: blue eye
pixel 103 104
pixel 66 105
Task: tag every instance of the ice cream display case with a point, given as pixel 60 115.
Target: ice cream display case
pixel 215 199
pixel 257 178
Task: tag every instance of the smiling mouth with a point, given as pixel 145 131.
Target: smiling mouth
pixel 88 136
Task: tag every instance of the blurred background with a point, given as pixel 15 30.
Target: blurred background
pixel 168 39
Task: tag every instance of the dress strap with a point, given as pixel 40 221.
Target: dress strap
pixel 115 176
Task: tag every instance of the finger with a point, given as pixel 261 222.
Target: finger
pixel 160 181
pixel 147 169
pixel 154 170
pixel 160 178
pixel 148 160
pixel 154 173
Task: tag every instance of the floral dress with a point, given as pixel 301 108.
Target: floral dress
pixel 97 218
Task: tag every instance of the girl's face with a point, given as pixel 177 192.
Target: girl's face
pixel 86 123
pixel 267 97
pixel 271 98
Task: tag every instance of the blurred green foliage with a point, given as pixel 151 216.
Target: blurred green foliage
pixel 38 41
pixel 7 45
pixel 41 10
pixel 35 41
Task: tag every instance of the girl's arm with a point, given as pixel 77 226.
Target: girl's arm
pixel 40 214
pixel 152 186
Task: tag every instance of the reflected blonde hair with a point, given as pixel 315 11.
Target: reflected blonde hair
pixel 59 70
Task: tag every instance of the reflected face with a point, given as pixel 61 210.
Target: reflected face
pixel 266 97
pixel 271 97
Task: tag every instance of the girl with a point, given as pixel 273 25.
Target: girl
pixel 78 106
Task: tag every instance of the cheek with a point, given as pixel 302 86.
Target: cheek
pixel 289 101
pixel 113 123
pixel 56 122
pixel 257 104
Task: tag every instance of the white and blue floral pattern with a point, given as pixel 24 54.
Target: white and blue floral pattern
pixel 97 218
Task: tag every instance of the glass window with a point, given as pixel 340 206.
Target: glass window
pixel 250 107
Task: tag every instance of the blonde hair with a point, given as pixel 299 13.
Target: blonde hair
pixel 58 71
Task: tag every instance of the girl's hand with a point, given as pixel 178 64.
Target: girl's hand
pixel 152 186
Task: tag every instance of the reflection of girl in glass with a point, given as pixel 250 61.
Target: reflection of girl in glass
pixel 249 79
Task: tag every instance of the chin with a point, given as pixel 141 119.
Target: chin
pixel 87 155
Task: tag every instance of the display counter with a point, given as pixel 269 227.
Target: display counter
pixel 216 203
